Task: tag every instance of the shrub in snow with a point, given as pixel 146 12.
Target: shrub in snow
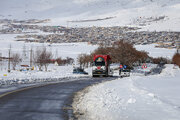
pixel 176 59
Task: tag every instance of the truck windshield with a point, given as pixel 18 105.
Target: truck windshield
pixel 99 61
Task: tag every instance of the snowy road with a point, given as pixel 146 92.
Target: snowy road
pixel 47 102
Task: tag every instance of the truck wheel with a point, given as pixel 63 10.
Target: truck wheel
pixel 106 74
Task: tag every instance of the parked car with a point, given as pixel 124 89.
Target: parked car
pixel 79 71
pixel 124 72
pixel 26 68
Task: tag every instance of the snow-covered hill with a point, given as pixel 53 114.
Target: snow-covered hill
pixel 148 14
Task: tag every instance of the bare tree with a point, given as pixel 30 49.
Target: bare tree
pixel 59 61
pixel 15 59
pixel 1 60
pixel 120 52
pixel 66 61
pixel 176 59
pixel 69 60
pixel 42 58
pixel 81 60
pixel 37 59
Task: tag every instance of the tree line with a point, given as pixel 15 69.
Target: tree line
pixel 40 58
pixel 120 52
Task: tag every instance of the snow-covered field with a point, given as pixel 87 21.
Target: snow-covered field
pixel 154 97
pixel 62 50
pixel 141 13
pixel 156 52
pixel 59 50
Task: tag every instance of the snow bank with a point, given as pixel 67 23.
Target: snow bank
pixel 35 76
pixel 154 97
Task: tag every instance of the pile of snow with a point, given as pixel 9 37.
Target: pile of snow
pixel 35 76
pixel 135 98
pixel 145 69
pixel 121 12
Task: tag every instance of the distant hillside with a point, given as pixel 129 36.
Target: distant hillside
pixel 147 14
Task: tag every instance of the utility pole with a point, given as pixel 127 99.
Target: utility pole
pixel 67 23
pixel 56 55
pixel 31 52
pixel 9 61
pixel 1 60
pixel 178 47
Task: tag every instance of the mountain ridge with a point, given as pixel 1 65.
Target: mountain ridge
pixel 124 11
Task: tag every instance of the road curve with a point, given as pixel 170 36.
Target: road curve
pixel 49 102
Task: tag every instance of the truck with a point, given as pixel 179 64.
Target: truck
pixel 101 65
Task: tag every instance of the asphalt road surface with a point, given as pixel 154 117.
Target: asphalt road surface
pixel 49 102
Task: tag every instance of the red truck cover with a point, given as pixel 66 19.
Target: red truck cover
pixel 106 57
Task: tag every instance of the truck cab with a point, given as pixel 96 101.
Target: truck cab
pixel 101 65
